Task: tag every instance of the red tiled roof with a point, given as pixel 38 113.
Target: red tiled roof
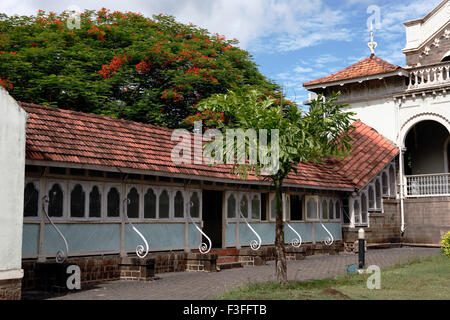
pixel 366 67
pixel 73 137
pixel 370 153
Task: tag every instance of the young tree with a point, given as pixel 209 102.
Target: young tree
pixel 315 135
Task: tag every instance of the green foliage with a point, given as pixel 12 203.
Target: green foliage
pixel 120 64
pixel 304 136
pixel 445 244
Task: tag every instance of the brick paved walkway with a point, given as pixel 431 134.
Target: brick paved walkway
pixel 200 286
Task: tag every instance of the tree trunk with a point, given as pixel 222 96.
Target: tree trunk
pixel 280 258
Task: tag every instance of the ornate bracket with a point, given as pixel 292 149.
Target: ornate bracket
pixel 203 247
pixel 254 244
pixel 140 250
pixel 296 242
pixel 61 256
pixel 329 241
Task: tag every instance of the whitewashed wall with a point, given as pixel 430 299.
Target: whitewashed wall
pixel 12 171
pixel 379 114
pixel 420 30
pixel 393 119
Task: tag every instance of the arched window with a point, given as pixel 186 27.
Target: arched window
pixel 346 213
pixel 296 210
pixel 256 207
pixel 385 184
pixel 150 204
pixel 378 194
pixel 231 206
pixel 56 201
pixel 371 198
pixel 113 203
pixel 31 201
pixel 311 208
pixel 195 205
pixel 330 210
pixel 179 205
pixel 324 209
pixel 95 203
pixel 356 211
pixel 164 205
pixel 244 206
pixel 133 203
pixel 338 209
pixel 287 207
pixel 364 209
pixel 77 202
pixel 273 208
pixel 392 181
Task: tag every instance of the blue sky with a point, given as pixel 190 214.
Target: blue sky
pixel 292 41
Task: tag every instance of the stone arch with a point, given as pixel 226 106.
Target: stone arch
pixel 446 57
pixel 411 122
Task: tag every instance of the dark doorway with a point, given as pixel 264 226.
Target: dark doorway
pixel 212 217
pixel 425 144
pixel 448 156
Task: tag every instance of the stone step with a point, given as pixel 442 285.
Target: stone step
pixel 224 259
pixel 229 265
pixel 222 252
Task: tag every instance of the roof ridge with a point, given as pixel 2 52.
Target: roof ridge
pixel 80 138
pixel 361 68
pixel 90 115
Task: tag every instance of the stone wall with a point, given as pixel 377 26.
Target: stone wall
pixel 137 269
pixel 426 219
pixel 96 269
pixel 169 262
pixel 267 253
pixel 10 289
pixel 93 269
pixel 384 227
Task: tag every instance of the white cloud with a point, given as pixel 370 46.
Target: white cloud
pixel 290 24
pixel 301 69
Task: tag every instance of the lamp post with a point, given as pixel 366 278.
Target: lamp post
pixel 361 248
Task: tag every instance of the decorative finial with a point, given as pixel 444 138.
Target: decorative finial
pixel 372 44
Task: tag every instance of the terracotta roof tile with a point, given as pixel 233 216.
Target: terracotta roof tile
pixel 74 137
pixel 367 67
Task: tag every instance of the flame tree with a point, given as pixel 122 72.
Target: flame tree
pixel 122 65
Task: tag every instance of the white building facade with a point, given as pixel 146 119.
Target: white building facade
pixel 12 176
pixel 410 106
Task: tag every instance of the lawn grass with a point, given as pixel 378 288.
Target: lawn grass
pixel 418 280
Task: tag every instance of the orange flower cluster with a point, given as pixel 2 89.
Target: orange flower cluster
pixel 210 118
pixel 100 33
pixel 193 70
pixel 104 15
pixel 115 64
pixel 5 83
pixel 144 66
pixel 172 94
pixel 11 53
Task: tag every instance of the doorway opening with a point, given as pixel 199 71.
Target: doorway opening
pixel 212 217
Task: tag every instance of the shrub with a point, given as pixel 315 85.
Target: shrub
pixel 446 245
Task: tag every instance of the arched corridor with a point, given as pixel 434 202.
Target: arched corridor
pixel 426 149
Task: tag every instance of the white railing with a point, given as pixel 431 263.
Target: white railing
pixel 428 185
pixel 429 76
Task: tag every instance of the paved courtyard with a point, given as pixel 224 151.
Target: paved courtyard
pixel 201 286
